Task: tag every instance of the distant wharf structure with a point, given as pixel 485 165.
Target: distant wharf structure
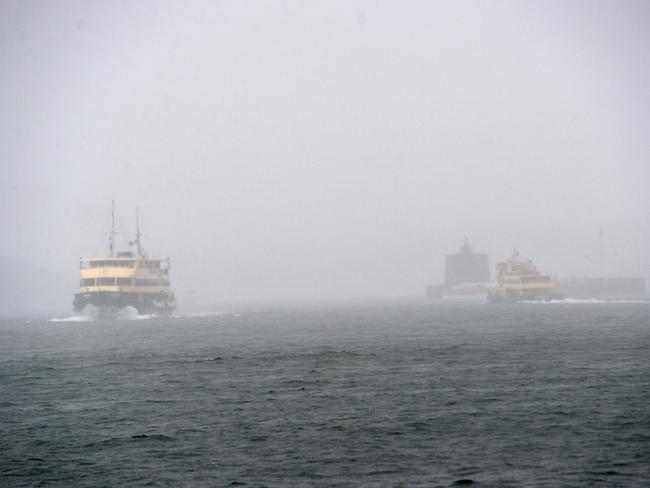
pixel 604 288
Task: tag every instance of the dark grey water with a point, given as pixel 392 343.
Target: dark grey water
pixel 527 395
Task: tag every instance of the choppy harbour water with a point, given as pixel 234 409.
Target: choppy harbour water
pixel 526 395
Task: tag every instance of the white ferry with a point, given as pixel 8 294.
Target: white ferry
pixel 129 278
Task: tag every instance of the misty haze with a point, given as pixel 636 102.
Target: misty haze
pixel 280 152
pixel 378 243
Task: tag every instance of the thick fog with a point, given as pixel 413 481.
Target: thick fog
pixel 307 151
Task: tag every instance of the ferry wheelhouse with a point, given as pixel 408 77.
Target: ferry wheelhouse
pixel 124 279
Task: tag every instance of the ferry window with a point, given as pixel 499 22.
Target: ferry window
pixel 111 264
pixel 151 282
pixel 123 281
pixel 88 282
pixel 106 281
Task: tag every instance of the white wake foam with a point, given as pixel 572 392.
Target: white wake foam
pixel 578 301
pixel 192 315
pixel 74 318
pixel 131 313
pixel 90 313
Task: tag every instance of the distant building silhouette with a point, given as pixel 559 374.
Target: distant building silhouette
pixel 463 268
pixel 466 267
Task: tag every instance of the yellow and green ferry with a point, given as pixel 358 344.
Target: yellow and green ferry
pixel 125 279
pixel 520 281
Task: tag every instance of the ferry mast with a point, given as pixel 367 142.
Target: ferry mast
pixel 112 238
pixel 137 232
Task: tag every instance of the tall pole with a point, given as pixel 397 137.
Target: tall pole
pixel 112 240
pixel 602 255
pixel 137 230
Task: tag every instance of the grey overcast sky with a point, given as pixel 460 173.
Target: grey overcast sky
pixel 325 150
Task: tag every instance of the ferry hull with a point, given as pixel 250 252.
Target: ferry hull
pixel 525 297
pixel 144 303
